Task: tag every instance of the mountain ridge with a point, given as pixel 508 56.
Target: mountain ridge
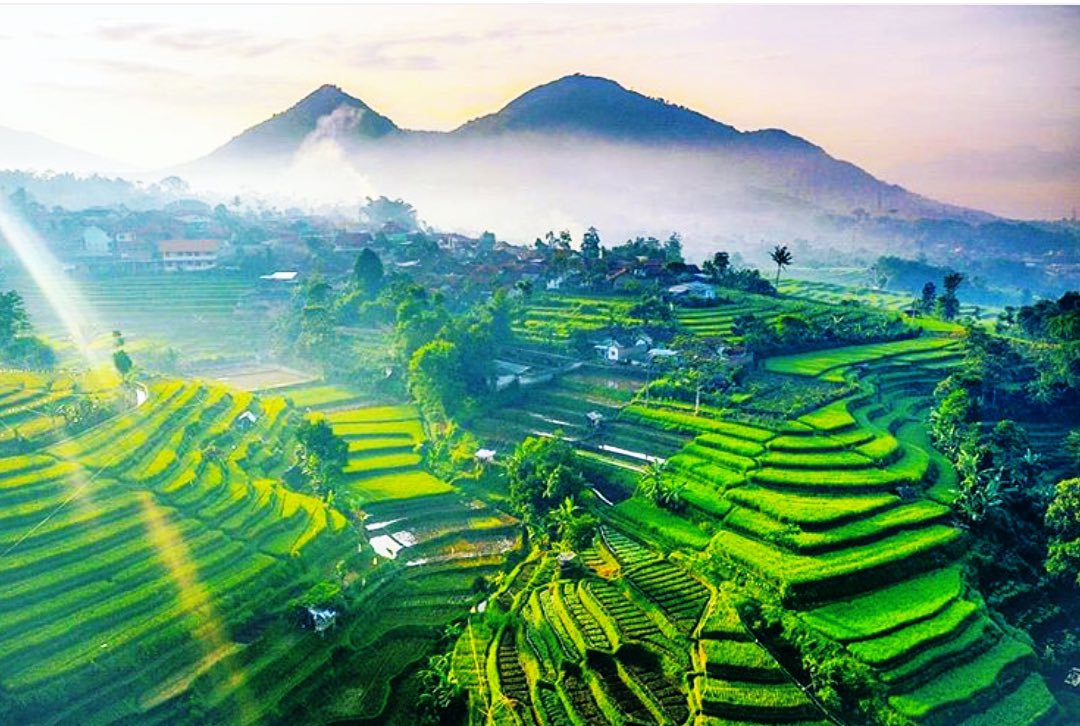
pixel 585 112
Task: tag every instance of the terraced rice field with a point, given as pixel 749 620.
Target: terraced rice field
pixel 599 642
pixel 836 294
pixel 135 553
pixel 149 562
pixel 552 318
pixel 620 444
pixel 719 321
pixel 384 452
pixel 201 314
pixel 826 511
pixel 841 513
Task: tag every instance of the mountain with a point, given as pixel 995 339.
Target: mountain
pixel 601 108
pixel 327 110
pixel 26 151
pixel 577 151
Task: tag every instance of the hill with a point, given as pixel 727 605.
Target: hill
pixel 327 109
pixel 33 152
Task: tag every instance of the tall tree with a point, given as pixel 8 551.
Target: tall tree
pixel 13 318
pixel 780 255
pixel 929 294
pixel 542 473
pixel 322 455
pixel 590 245
pixel 368 272
pixel 673 248
pixel 948 303
pixel 718 267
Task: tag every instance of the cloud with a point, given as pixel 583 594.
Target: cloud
pixel 127 31
pixel 125 67
pixel 219 40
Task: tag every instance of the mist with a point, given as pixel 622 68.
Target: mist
pixel 519 186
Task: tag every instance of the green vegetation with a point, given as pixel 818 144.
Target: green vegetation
pixel 511 530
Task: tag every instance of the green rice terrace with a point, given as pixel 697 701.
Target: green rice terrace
pixel 201 315
pixel 151 563
pixel 163 565
pixel 838 515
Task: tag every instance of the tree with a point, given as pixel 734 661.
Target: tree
pixel 673 248
pixel 322 456
pixel 590 245
pixel 440 690
pixel 542 473
pixel 368 272
pixel 377 213
pixel 948 303
pixel 929 294
pixel 436 378
pixel 782 257
pixel 717 267
pixel 659 489
pixel 121 360
pixel 14 321
pixel 1063 521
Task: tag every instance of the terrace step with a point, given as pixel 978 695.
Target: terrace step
pixel 859 532
pixel 820 578
pixel 759 702
pixel 1027 705
pixel 968 688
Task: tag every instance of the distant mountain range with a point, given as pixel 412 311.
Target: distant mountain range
pixel 575 152
pixel 26 151
pixel 585 117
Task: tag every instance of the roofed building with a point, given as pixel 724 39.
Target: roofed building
pixel 188 255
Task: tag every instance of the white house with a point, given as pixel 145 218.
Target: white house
pixel 613 351
pixel 97 241
pixel 692 291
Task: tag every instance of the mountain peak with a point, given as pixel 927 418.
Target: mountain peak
pixel 325 99
pixel 593 106
pixel 283 133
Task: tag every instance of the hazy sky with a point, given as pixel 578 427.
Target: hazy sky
pixel 977 106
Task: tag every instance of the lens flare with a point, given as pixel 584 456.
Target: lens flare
pixel 66 303
pixel 173 553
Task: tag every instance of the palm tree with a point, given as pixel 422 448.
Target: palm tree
pixel 651 481
pixel 564 514
pixel 781 255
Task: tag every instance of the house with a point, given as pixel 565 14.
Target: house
pixel 188 255
pixel 135 254
pixel 96 242
pixel 613 351
pixel 507 373
pixel 485 456
pixel 246 420
pixel 595 418
pixel 656 354
pixel 285 277
pixel 692 291
pixel 1073 679
pixel 319 619
pixel 352 241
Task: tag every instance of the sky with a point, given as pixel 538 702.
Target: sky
pixel 978 106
